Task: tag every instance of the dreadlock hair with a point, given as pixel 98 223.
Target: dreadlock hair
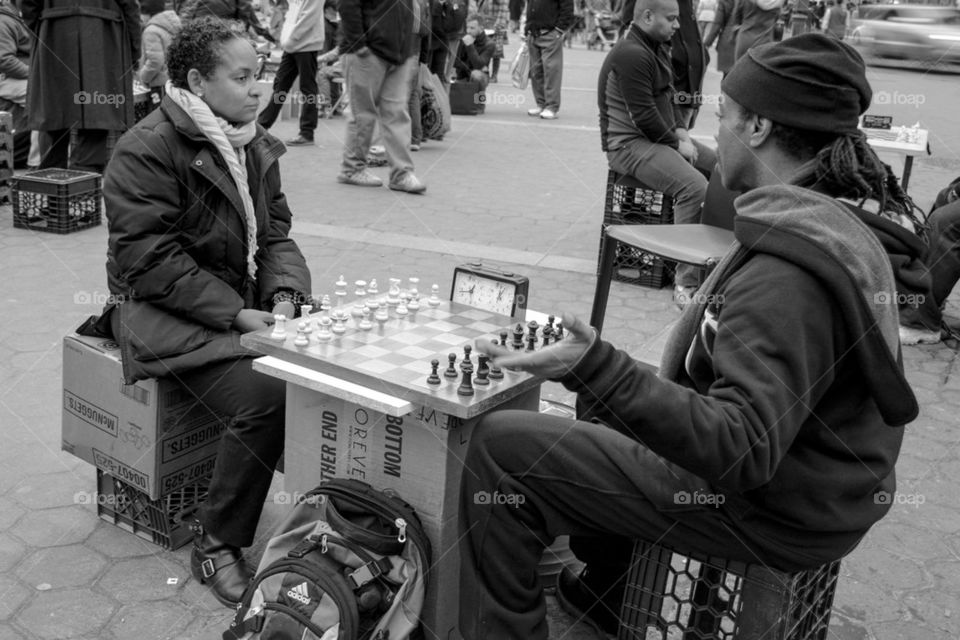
pixel 845 166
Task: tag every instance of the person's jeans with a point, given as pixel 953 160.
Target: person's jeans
pixel 249 448
pixel 378 89
pixel 531 477
pixel 662 168
pixel 546 68
pixel 293 65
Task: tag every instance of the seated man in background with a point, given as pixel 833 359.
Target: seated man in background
pixel 770 433
pixel 474 54
pixel 641 121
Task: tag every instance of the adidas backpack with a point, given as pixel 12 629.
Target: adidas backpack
pixel 349 563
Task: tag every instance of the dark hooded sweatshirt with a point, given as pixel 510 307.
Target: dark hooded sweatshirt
pixel 783 386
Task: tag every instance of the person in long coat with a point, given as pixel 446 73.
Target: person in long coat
pixel 723 31
pixel 755 21
pixel 81 76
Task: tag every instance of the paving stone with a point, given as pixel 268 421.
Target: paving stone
pixel 114 542
pixel 10 512
pixel 60 526
pixel 70 566
pixel 12 595
pixel 67 613
pixel 135 579
pixel 51 490
pixel 154 620
pixel 9 633
pixel 208 626
pixel 11 552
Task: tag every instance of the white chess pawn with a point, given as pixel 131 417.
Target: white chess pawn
pixel 325 303
pixel 305 311
pixel 372 288
pixel 414 303
pixel 434 299
pixel 338 327
pixel 341 285
pixel 365 324
pixel 323 333
pixel 301 340
pixel 279 327
pixel 381 315
pixel 402 305
pixel 413 286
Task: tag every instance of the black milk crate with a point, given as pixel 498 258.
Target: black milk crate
pixel 164 521
pixel 57 200
pixel 635 204
pixel 633 266
pixel 673 596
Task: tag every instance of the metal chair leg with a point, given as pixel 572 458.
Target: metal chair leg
pixel 608 255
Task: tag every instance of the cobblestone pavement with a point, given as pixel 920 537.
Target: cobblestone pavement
pixel 503 188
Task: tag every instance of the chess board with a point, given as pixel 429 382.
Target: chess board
pixel 394 356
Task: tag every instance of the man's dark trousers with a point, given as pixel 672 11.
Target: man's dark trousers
pixel 253 404
pixel 292 65
pixel 530 477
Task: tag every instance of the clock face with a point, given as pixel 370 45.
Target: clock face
pixel 485 293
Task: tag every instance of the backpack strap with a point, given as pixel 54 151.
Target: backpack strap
pixel 240 627
pixel 368 572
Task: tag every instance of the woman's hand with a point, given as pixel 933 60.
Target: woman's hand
pixel 553 361
pixel 252 320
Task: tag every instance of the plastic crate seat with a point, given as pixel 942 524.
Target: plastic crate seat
pixel 673 596
pixel 164 521
pixel 57 200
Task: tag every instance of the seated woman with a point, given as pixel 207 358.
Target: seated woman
pixel 199 253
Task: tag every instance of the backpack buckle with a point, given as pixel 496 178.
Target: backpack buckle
pixel 207 568
pixel 369 571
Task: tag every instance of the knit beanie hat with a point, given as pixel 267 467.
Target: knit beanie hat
pixel 811 81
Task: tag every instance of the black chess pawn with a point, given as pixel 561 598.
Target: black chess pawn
pixel 466 363
pixel 496 373
pixel 466 388
pixel 482 370
pixel 547 334
pixel 531 342
pixel 558 334
pixel 503 339
pixel 550 320
pixel 434 378
pixel 451 371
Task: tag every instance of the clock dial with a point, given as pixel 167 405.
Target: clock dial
pixel 487 289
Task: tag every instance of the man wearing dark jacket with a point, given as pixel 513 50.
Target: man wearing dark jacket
pixel 474 54
pixel 377 63
pixel 771 432
pixel 15 45
pixel 643 120
pixel 546 27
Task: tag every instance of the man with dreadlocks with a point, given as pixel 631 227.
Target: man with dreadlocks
pixel 771 432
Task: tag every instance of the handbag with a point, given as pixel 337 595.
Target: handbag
pixel 520 67
pixel 434 104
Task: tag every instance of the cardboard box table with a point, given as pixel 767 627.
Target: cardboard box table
pixel 359 406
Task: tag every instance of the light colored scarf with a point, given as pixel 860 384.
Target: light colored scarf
pixel 230 141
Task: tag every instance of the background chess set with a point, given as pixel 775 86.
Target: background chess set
pixel 390 347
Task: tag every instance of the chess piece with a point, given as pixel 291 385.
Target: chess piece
pixel 466 363
pixel 393 293
pixel 325 303
pixel 503 338
pixel 531 342
pixel 402 305
pixel 301 340
pixel 360 292
pixel 482 370
pixel 496 373
pixel 279 327
pixel 372 288
pixel 341 285
pixel 323 331
pixel 559 333
pixel 338 327
pixel 365 324
pixel 518 337
pixel 434 299
pixel 434 378
pixel 413 287
pixel 414 304
pixel 466 388
pixel 547 334
pixel 381 315
pixel 305 311
pixel 550 320
pixel 532 327
pixel 451 371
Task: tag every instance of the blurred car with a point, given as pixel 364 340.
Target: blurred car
pixel 917 33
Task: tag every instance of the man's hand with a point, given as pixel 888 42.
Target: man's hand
pixel 687 150
pixel 554 360
pixel 362 52
pixel 477 76
pixel 467 40
pixel 252 320
pixel 284 308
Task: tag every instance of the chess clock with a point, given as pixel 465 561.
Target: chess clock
pixel 490 289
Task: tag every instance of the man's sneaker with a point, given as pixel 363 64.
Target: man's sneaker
pixel 362 178
pixel 300 141
pixel 910 335
pixel 548 114
pixel 409 183
pixel 533 113
pixel 599 611
pixel 414 146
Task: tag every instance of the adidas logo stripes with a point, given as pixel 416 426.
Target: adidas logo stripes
pixel 300 593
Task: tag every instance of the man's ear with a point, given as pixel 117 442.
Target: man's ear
pixel 195 82
pixel 758 130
